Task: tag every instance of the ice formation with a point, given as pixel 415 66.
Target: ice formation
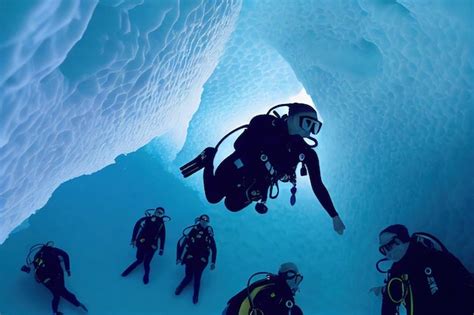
pixel 82 82
pixel 88 81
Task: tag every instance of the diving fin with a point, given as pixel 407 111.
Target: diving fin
pixel 198 163
pixel 84 308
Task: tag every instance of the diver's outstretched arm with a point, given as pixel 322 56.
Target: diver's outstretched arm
pixel 312 164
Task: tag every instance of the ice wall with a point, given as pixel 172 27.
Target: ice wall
pixel 392 79
pixel 82 82
pixel 251 75
pixel 394 82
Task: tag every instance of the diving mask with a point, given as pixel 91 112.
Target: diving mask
pixel 310 124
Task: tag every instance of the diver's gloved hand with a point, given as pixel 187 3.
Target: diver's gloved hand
pixel 178 261
pixel 132 243
pixel 68 273
pixel 213 266
pixel 339 227
pixel 160 252
pixel 376 290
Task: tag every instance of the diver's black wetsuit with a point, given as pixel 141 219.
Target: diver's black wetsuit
pixel 435 282
pixel 243 177
pixel 149 232
pixel 49 272
pixel 272 296
pixel 195 255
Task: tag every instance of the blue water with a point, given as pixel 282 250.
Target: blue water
pixel 149 85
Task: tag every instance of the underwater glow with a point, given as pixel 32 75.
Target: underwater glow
pixel 84 84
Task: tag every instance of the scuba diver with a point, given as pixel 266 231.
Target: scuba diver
pixel 148 231
pixel 274 295
pixel 193 251
pixel 48 271
pixel 424 277
pixel 268 151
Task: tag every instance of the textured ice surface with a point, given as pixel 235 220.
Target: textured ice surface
pixel 392 79
pixel 70 106
pixel 251 75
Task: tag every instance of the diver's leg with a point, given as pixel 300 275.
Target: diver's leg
pixel 140 256
pixel 236 201
pixel 65 293
pixel 187 278
pixel 55 302
pixel 70 297
pixel 198 269
pixel 212 189
pixel 131 267
pixel 217 185
pixel 146 263
pixel 53 287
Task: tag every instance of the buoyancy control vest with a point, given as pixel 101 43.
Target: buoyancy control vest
pixel 195 243
pixel 150 228
pixel 46 263
pixel 273 155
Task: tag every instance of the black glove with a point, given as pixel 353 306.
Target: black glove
pixel 160 252
pixel 68 273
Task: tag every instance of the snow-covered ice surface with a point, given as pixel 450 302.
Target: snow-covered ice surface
pixel 82 82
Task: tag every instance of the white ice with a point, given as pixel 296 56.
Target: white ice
pixel 82 82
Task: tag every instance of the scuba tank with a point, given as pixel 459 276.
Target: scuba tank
pixel 34 250
pixel 269 279
pixel 180 246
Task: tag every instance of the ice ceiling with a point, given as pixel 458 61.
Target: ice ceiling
pixel 82 82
